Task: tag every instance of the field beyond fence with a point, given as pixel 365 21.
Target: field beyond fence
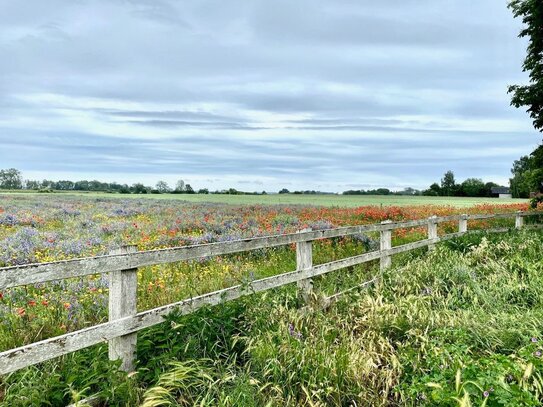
pixel 121 267
pixel 331 200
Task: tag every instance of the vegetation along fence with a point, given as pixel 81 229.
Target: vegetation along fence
pixel 124 320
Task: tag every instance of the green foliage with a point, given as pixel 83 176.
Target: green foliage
pixel 473 187
pixel 528 174
pixel 11 179
pixel 462 325
pixel 535 201
pixel 163 187
pixel 531 13
pixel 434 190
pixel 448 184
pixel 67 380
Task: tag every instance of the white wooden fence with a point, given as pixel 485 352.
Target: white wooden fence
pixel 124 320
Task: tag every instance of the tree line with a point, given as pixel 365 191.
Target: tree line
pixel 471 187
pixel 383 191
pixel 12 179
pixel 527 179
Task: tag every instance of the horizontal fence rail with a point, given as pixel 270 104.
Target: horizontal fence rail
pixel 121 265
pixel 43 272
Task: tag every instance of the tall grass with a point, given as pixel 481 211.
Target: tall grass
pixel 459 326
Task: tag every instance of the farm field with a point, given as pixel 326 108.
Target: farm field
pixel 293 199
pixel 475 301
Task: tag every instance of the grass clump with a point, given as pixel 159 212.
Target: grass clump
pixel 459 326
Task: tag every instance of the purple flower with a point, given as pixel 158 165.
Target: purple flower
pixel 292 332
pixel 486 394
pixel 291 329
pixel 8 220
pixel 537 353
pixel 534 340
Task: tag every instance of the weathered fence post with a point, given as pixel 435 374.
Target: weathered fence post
pixel 385 243
pixel 519 220
pixel 304 260
pixel 122 303
pixel 432 230
pixel 463 223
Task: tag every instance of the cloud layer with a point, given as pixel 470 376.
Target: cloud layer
pixel 258 95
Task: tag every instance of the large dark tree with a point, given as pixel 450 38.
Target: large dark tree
pixel 531 12
pixel 527 174
pixel 11 179
pixel 448 184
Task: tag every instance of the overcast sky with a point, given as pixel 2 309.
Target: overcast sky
pixel 328 95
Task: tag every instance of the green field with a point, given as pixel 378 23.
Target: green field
pixel 455 326
pixel 459 326
pixel 291 199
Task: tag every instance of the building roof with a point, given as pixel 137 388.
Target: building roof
pixel 500 190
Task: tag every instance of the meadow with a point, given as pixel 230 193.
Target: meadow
pixel 437 329
pixel 295 199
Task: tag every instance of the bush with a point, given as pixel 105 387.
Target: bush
pixel 535 201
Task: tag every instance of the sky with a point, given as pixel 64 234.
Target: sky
pixel 261 95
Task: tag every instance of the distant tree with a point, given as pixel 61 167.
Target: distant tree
pixel 448 184
pixel 203 191
pixel 531 12
pixel 11 179
pixel 31 184
pixel 47 184
pixel 434 190
pixel 180 186
pixel 527 174
pixel 473 187
pixel 139 188
pixel 189 189
pixel 64 185
pixel 408 191
pixel 97 186
pixel 163 187
pixel 284 191
pixel 81 185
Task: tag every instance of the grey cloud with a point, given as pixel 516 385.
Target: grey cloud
pixel 310 91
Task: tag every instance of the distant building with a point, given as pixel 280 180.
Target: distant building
pixel 501 192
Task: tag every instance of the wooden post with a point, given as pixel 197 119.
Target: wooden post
pixel 432 230
pixel 304 260
pixel 463 223
pixel 385 244
pixel 519 220
pixel 122 303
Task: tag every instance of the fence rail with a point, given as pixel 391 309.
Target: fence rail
pixel 121 265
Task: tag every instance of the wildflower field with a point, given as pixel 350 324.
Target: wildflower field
pixel 461 323
pixel 349 201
